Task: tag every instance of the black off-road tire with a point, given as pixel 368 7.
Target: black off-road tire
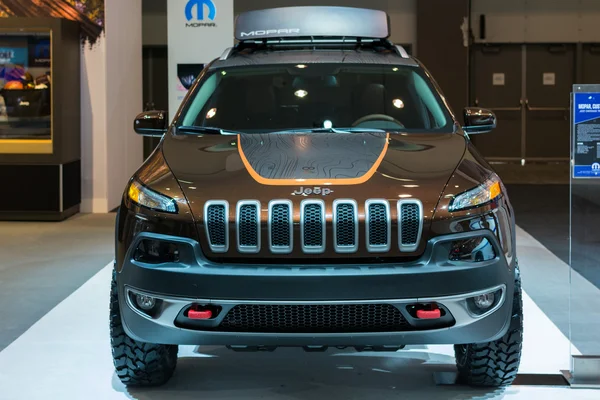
pixel 494 364
pixel 137 363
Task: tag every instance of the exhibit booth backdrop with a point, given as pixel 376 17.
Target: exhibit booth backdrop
pixel 198 31
pixel 111 89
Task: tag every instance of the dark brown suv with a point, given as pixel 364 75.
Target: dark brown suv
pixel 315 190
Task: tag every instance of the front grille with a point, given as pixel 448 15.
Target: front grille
pixel 280 226
pixel 410 215
pixel 216 221
pixel 248 226
pixel 345 226
pixel 378 225
pixel 313 226
pixel 314 318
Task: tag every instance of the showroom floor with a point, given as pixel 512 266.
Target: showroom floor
pixel 54 336
pixel 43 263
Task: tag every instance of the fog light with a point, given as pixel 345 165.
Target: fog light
pixel 146 303
pixel 484 301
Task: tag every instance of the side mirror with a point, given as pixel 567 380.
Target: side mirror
pixel 478 120
pixel 151 123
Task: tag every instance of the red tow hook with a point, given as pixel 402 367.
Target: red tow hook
pixel 432 312
pixel 200 314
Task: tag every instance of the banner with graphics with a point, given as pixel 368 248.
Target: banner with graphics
pixel 199 31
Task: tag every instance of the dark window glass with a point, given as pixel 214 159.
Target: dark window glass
pixel 286 97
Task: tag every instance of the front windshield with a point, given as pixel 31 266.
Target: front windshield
pixel 259 99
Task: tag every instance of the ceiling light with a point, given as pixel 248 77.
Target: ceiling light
pixel 211 113
pixel 301 93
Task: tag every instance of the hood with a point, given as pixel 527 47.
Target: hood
pixel 357 165
pixel 326 166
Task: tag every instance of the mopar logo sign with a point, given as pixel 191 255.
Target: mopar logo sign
pixel 195 10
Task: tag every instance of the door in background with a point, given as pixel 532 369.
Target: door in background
pixel 496 84
pixel 549 80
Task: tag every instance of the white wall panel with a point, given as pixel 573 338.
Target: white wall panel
pixel 93 128
pixel 124 94
pixel 538 21
pixel 111 96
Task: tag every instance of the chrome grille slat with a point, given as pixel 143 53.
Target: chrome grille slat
pixel 312 226
pixel 345 226
pixel 216 221
pixel 410 224
pixel 378 226
pixel 248 226
pixel 281 226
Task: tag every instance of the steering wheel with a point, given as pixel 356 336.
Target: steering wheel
pixel 377 117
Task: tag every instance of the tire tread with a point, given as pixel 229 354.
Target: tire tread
pixel 496 363
pixel 137 363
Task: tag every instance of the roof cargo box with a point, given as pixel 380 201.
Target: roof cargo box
pixel 303 22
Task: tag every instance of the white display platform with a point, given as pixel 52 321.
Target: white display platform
pixel 66 355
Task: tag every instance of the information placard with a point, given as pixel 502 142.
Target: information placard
pixel 586 135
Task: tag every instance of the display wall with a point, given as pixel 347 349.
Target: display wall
pixel 25 91
pixel 111 89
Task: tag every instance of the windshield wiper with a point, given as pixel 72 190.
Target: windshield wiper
pixel 219 131
pixel 333 130
pixel 204 129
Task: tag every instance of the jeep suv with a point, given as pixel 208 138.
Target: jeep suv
pixel 315 190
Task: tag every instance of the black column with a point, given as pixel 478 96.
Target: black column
pixel 441 47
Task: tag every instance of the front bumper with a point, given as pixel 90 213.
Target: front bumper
pixel 430 279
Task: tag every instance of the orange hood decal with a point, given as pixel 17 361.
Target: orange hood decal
pixel 321 159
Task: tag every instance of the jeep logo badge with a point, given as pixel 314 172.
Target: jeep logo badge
pixel 315 190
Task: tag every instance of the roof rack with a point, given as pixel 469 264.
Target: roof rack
pixel 320 43
pixel 401 52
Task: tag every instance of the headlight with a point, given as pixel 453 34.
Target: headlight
pixel 478 196
pixel 146 197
